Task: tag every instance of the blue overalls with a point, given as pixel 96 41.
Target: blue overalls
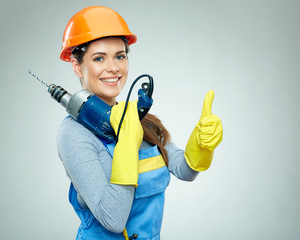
pixel 147 210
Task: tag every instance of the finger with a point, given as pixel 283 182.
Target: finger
pixel 211 137
pixel 207 104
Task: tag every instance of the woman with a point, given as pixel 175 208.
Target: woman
pixel 117 189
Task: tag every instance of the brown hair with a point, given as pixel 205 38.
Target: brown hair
pixel 154 131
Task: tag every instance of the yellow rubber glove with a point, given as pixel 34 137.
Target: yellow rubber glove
pixel 205 137
pixel 126 157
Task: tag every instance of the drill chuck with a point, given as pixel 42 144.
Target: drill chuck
pixel 59 94
pixel 72 103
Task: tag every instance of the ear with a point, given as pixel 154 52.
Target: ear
pixel 76 67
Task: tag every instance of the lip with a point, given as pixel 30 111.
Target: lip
pixel 113 80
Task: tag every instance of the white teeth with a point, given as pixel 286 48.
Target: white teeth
pixel 110 80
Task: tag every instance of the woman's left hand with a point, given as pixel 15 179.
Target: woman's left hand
pixel 205 137
pixel 210 127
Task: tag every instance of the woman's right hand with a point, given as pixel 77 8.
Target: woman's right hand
pixel 125 158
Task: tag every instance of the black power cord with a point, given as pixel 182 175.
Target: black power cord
pixel 149 93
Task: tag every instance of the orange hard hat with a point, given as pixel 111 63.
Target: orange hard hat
pixel 92 23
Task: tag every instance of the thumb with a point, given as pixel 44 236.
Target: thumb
pixel 207 104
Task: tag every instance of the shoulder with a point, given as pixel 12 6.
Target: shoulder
pixel 71 128
pixel 73 135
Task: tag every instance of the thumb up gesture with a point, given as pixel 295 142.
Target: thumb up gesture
pixel 210 127
pixel 205 137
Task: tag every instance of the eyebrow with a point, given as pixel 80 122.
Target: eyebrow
pixel 104 53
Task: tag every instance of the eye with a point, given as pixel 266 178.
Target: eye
pixel 121 57
pixel 98 59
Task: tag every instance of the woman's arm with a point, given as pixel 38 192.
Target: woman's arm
pixel 178 165
pixel 88 165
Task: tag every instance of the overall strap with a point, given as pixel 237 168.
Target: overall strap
pixel 109 145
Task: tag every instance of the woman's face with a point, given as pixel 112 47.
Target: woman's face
pixel 104 68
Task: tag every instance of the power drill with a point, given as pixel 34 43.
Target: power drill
pixel 92 112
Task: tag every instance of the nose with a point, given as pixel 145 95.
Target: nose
pixel 112 66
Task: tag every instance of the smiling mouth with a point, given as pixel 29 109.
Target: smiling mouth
pixel 110 80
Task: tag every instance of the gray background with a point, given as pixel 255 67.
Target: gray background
pixel 247 51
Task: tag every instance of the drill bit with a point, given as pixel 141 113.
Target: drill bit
pixel 42 81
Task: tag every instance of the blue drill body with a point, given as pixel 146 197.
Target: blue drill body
pixel 95 114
